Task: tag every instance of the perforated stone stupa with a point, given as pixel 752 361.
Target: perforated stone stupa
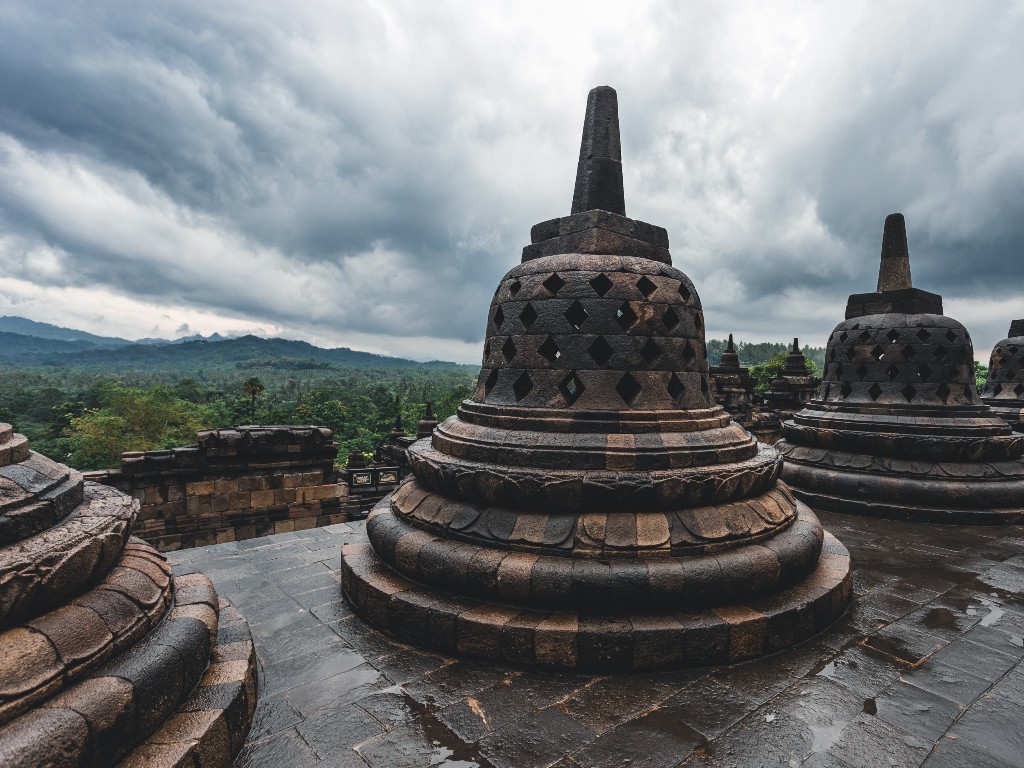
pixel 590 506
pixel 107 656
pixel 897 429
pixel 1004 387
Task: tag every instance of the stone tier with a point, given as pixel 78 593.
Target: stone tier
pixel 35 493
pixel 955 492
pixel 13 447
pixel 595 642
pixel 591 573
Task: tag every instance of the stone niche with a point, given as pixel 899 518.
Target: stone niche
pixel 898 429
pixel 591 507
pixel 233 484
pixel 108 655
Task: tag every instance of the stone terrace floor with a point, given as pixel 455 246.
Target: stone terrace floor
pixel 925 669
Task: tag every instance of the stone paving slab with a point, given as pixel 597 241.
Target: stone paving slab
pixel 925 669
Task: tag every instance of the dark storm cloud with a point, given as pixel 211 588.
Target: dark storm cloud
pixel 354 171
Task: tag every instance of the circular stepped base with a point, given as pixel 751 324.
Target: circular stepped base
pixel 209 729
pixel 591 642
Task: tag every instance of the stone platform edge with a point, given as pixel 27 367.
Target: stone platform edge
pixel 585 642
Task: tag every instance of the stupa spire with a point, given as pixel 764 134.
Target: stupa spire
pixel 599 173
pixel 894 271
pixel 730 347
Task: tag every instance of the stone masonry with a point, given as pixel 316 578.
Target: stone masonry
pixel 234 484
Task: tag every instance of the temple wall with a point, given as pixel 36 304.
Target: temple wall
pixel 234 484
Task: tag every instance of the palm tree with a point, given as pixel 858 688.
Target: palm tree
pixel 253 388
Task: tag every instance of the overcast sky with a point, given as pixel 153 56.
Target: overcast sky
pixel 362 174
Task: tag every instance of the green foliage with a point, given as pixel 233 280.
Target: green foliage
pixel 762 352
pixel 772 368
pixel 980 375
pixel 131 419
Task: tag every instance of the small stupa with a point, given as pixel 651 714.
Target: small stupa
pixel 1004 387
pixel 897 429
pixel 794 387
pixel 591 507
pixel 734 390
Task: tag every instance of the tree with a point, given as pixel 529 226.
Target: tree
pixel 980 375
pixel 253 388
pixel 130 419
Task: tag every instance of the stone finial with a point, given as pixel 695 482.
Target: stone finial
pixel 730 347
pixel 729 358
pixel 1016 329
pixel 599 173
pixel 894 271
pixel 796 345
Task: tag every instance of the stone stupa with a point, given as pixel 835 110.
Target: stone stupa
pixel 735 391
pixel 898 429
pixel 1004 387
pixel 107 655
pixel 590 507
pixel 794 387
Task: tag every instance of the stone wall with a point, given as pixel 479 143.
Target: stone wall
pixel 234 484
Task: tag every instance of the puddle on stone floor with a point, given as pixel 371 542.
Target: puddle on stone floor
pixel 995 613
pixel 870 707
pixel 940 618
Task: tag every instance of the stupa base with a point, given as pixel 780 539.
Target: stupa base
pixel 953 493
pixel 590 642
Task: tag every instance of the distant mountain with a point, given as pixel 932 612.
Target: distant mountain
pixel 245 352
pixel 25 327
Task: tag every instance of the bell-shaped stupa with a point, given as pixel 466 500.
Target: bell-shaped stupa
pixel 590 506
pixel 1004 387
pixel 897 429
pixel 108 656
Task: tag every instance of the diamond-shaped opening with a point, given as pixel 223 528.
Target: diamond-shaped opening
pixel 940 352
pixel 950 335
pixel 878 353
pixel 625 316
pixel 670 319
pixel 968 391
pixel 967 337
pixel 514 287
pixel 1012 350
pixel 528 316
pixel 875 391
pixel 1018 390
pixel 832 353
pixel 1011 375
pixel 522 386
pixel 865 337
pixel 997 389
pixel 646 286
pixel 704 385
pixel 554 283
pixel 601 284
pixel 698 322
pixel 892 335
pixel 499 319
pixel 862 371
pixel 508 349
pixel 908 352
pixel 961 354
pixel 923 335
pixel 892 372
pixel 571 388
pixel 675 388
pixel 850 353
pixel 628 388
pixel 549 350
pixel 825 390
pixel 576 315
pixel 492 379
pixel 684 292
pixel 487 349
pixel 924 372
pixel 688 353
pixel 839 370
pixel 909 392
pixel 843 336
pixel 846 389
pixel 650 351
pixel 601 350
pixel 942 391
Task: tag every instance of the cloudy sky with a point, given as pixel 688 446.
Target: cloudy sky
pixel 362 174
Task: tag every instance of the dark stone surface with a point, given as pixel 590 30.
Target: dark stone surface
pixel 833 700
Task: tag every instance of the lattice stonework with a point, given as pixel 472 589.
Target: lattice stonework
pixel 593 324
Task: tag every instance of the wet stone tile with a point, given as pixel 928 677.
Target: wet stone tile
pixel 337 730
pixel 951 753
pixel 535 741
pixel 487 711
pixel 870 741
pixel 947 681
pixel 655 738
pixel 766 737
pixel 826 707
pixel 422 742
pixel 611 700
pixel 708 708
pixel 918 712
pixel 452 682
pixel 993 727
pixel 407 665
pixel 861 673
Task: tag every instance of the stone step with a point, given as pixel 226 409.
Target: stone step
pixel 106 714
pixel 6 430
pixel 34 495
pixel 54 566
pixel 45 654
pixel 209 729
pixel 13 448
